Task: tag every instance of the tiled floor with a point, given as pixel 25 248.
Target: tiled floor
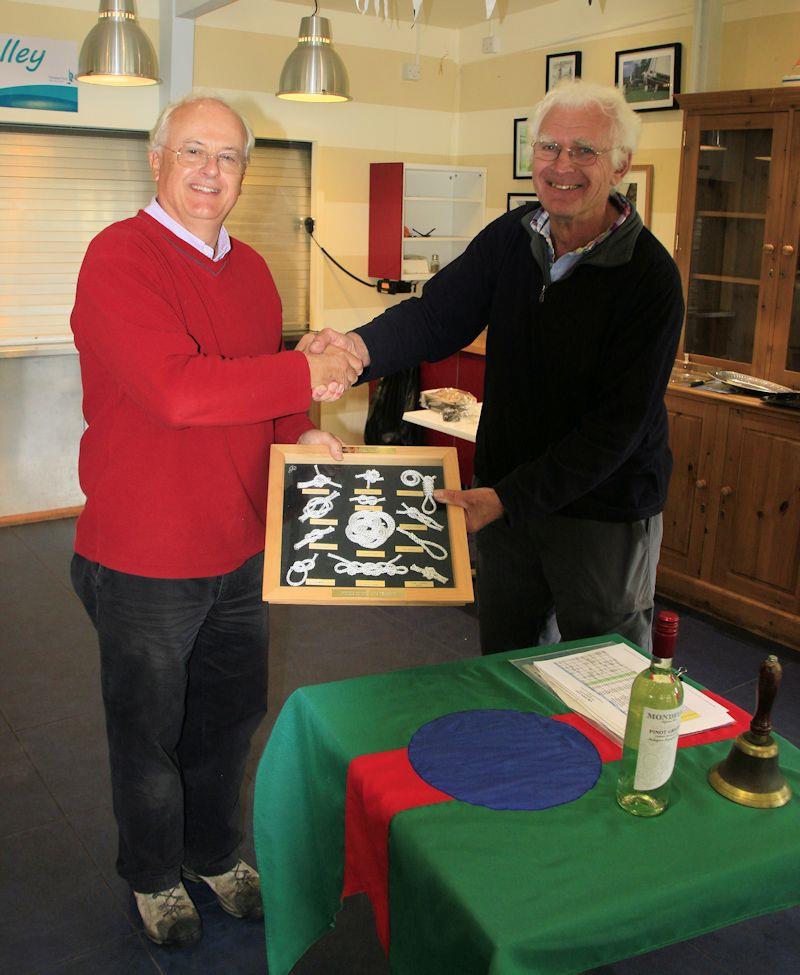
pixel 63 910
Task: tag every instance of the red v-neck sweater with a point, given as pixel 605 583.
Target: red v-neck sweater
pixel 185 387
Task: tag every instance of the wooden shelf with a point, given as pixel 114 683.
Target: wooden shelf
pixel 725 279
pixel 733 215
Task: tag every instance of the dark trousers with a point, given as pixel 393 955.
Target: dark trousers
pixel 566 578
pixel 184 679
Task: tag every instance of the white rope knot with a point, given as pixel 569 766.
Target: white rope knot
pixel 318 480
pixel 352 567
pixel 368 499
pixel 319 506
pixel 411 478
pixel 314 536
pixel 301 567
pixel 428 572
pixel 429 547
pixel 371 477
pixel 369 529
pixel 417 515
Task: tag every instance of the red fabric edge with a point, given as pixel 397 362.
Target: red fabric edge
pixel 378 786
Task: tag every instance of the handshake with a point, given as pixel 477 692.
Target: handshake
pixel 335 361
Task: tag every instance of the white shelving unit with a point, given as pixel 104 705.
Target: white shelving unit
pixel 418 210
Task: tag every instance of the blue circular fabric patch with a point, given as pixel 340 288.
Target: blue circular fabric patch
pixel 505 759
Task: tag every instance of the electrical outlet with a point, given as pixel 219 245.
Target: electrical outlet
pixel 491 44
pixel 410 71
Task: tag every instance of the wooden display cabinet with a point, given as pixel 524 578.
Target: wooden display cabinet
pixel 738 231
pixel 732 522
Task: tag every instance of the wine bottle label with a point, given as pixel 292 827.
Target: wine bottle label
pixel 658 743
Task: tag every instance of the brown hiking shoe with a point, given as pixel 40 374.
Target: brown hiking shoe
pixel 169 917
pixel 238 891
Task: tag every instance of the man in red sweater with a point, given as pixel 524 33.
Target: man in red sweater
pixel 186 386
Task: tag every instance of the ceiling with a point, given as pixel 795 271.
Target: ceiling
pixel 435 13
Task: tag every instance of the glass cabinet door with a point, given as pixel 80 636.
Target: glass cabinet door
pixel 732 196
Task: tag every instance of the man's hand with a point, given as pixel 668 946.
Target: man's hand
pixel 329 338
pixel 334 444
pixel 481 505
pixel 332 371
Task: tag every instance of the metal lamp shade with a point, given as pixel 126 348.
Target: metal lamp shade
pixel 116 50
pixel 314 72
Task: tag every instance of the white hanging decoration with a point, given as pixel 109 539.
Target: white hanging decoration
pixel 301 567
pixel 319 506
pixel 417 515
pixel 428 572
pixel 318 480
pixel 411 478
pixel 489 8
pixel 369 529
pixel 354 568
pixel 362 6
pixel 314 536
pixel 417 7
pixel 430 547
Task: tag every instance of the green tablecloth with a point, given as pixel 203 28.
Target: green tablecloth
pixel 479 891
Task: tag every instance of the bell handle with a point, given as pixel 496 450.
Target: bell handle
pixel 769 680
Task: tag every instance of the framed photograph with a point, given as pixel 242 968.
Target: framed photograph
pixel 514 200
pixel 366 529
pixel 562 67
pixel 649 77
pixel 637 185
pixel 522 149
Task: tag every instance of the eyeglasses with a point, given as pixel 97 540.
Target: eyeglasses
pixel 582 156
pixel 191 157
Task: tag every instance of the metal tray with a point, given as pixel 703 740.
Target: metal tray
pixel 749 384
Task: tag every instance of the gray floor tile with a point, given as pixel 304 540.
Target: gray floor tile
pixel 72 757
pixel 53 902
pixel 24 800
pixel 52 544
pixel 128 956
pixel 48 685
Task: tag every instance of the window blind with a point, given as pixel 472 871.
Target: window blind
pixel 59 189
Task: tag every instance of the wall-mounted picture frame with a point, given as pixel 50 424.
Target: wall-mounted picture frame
pixel 649 77
pixel 514 199
pixel 562 67
pixel 522 149
pixel 637 186
pixel 365 530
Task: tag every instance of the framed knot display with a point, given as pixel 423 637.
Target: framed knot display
pixel 366 529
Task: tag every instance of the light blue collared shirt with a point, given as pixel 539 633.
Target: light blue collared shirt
pixel 157 212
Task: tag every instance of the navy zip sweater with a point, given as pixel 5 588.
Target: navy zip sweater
pixel 573 418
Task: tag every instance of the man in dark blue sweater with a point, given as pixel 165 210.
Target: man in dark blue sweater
pixel 584 310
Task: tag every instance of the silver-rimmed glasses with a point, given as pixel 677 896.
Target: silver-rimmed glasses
pixel 582 156
pixel 193 157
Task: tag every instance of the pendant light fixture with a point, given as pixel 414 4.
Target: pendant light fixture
pixel 116 50
pixel 314 72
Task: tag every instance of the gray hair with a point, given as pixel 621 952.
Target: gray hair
pixel 625 123
pixel 159 131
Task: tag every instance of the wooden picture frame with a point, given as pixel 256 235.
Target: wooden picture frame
pixel 649 77
pixel 514 200
pixel 369 535
pixel 522 149
pixel 562 67
pixel 637 186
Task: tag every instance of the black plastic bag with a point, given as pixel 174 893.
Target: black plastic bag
pixel 394 395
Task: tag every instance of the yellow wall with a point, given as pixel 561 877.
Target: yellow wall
pixel 461 111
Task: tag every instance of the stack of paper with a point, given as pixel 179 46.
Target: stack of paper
pixel 596 683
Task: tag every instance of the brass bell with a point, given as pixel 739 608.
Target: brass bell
pixel 750 774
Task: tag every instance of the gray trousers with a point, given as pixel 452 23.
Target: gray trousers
pixel 569 578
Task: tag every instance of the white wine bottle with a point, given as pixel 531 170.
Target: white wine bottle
pixel 653 726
